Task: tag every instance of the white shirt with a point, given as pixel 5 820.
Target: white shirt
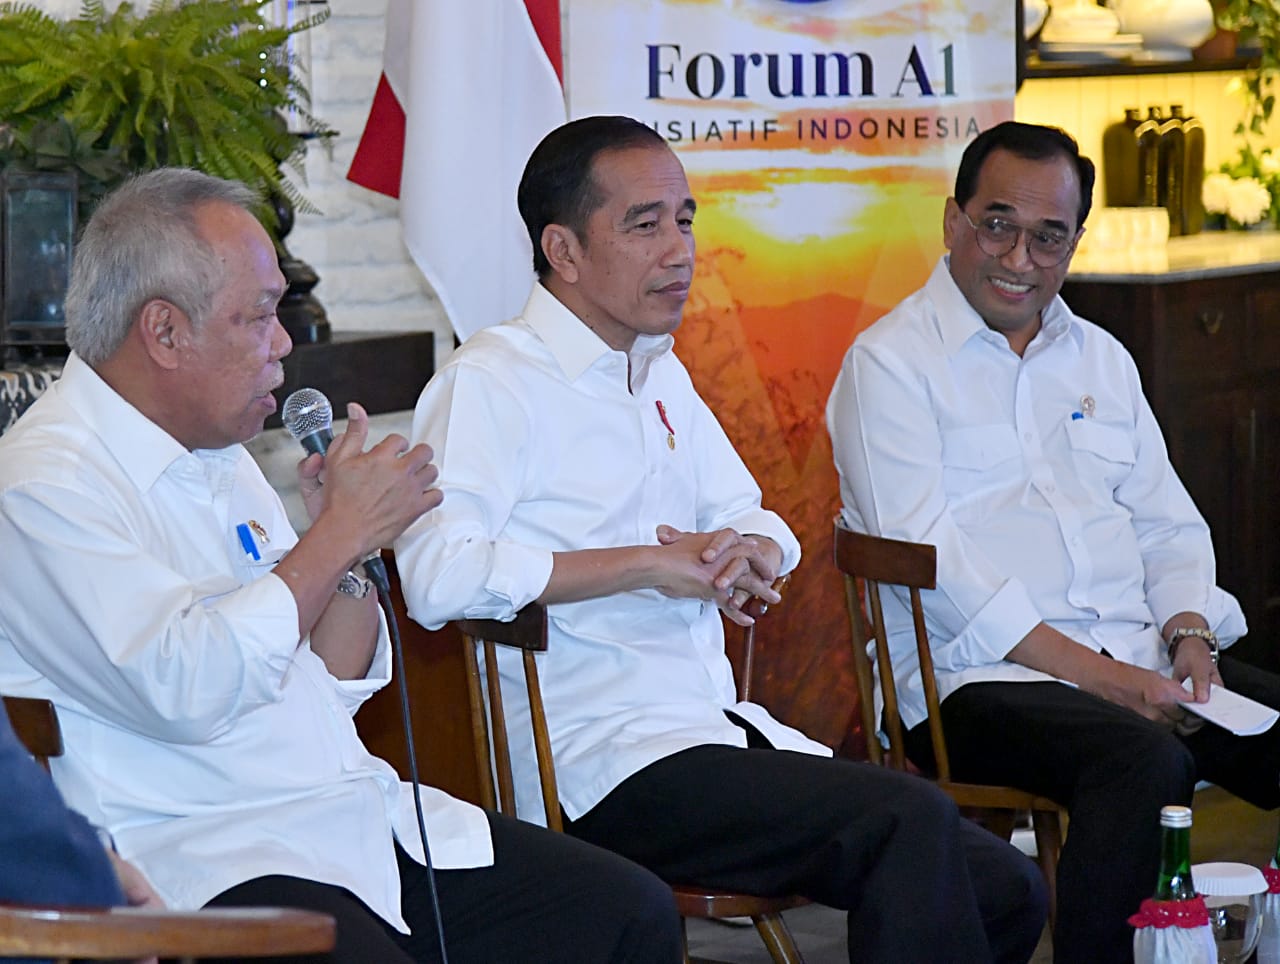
pixel 212 745
pixel 1043 481
pixel 542 448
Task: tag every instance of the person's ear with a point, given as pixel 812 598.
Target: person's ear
pixel 163 327
pixel 563 251
pixel 951 216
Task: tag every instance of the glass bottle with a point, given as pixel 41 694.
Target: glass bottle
pixel 1174 880
pixel 1269 939
pixel 1193 181
pixel 1173 162
pixel 1147 134
pixel 1120 161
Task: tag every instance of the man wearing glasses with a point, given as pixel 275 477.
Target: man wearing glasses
pixel 1076 589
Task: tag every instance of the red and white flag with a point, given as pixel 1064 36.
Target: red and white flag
pixel 467 91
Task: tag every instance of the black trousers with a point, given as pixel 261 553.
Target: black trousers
pixel 1112 770
pixel 920 883
pixel 547 898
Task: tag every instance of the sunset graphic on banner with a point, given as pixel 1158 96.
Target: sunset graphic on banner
pixel 821 140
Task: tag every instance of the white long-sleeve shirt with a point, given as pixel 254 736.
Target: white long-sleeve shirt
pixel 199 729
pixel 542 448
pixel 1043 481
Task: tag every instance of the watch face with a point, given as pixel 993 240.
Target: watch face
pixel 352 585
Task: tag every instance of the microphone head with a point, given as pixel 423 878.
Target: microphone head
pixel 306 412
pixel 309 418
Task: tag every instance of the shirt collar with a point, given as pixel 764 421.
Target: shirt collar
pixel 576 347
pixel 142 448
pixel 958 322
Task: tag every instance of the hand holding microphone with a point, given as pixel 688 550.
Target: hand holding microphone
pixel 373 495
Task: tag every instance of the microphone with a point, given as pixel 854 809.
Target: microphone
pixel 308 416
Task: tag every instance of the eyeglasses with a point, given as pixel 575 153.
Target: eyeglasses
pixel 997 237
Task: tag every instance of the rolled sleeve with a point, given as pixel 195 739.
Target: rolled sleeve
pixel 517 577
pixel 353 692
pixel 995 629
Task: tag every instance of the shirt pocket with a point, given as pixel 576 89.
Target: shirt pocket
pixel 977 460
pixel 1103 453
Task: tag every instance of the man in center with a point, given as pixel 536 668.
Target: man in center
pixel 581 470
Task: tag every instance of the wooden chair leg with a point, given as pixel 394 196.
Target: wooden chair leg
pixel 1048 830
pixel 777 938
pixel 684 940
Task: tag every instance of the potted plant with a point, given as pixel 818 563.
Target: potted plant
pixel 1245 190
pixel 199 84
pixel 1257 22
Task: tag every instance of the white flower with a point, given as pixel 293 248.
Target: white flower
pixel 1269 163
pixel 1216 192
pixel 1249 200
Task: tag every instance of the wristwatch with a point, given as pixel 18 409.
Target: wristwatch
pixel 1207 635
pixel 353 585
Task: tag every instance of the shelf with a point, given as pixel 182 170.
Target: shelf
pixel 1036 68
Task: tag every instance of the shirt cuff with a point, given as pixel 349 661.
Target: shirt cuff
pixel 517 577
pixel 353 692
pixel 1220 609
pixel 995 629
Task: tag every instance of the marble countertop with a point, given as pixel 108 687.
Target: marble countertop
pixel 1206 255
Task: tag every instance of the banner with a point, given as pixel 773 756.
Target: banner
pixel 467 91
pixel 821 139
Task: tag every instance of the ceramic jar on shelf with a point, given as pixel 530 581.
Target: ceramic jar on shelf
pixel 1170 29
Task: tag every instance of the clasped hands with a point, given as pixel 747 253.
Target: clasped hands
pixel 725 566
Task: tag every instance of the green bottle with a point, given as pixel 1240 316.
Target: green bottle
pixel 1174 882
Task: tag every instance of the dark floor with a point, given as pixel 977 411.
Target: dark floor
pixel 1224 829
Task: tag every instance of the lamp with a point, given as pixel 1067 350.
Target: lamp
pixel 37 228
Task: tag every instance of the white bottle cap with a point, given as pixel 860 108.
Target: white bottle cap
pixel 1175 816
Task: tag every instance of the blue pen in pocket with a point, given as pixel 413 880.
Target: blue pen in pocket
pixel 246 541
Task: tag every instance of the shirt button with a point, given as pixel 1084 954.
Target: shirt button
pixel 1049 488
pixel 1026 436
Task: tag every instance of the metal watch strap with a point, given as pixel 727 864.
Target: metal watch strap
pixel 353 585
pixel 1208 635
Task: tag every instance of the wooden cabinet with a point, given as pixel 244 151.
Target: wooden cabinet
pixel 1208 351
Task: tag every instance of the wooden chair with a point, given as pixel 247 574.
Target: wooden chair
pixel 131 933
pixel 878 562
pixel 528 633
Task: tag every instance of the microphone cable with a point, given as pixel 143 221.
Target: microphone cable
pixel 308 417
pixel 378 576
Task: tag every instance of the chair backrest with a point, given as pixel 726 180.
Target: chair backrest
pixel 36 724
pixel 528 633
pixel 877 562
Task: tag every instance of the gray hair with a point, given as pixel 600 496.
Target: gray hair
pixel 141 244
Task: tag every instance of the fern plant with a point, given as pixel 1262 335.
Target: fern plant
pixel 200 83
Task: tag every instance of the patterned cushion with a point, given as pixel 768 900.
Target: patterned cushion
pixel 21 386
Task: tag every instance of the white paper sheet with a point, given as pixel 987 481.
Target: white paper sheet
pixel 1231 711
